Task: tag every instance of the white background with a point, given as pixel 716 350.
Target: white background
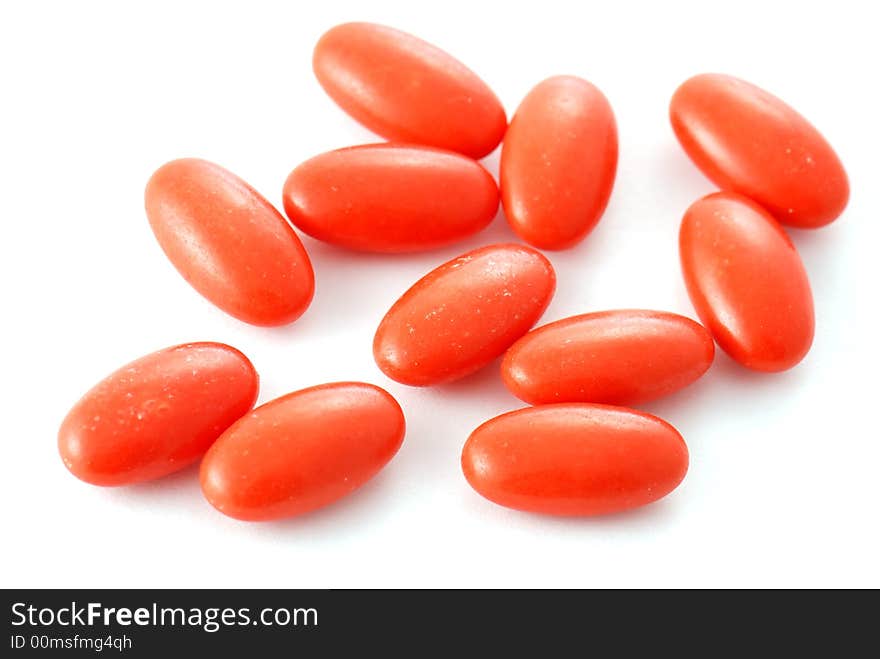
pixel 783 483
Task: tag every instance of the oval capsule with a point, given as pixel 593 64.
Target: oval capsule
pixel 229 243
pixel 390 197
pixel 746 282
pixel 407 90
pixel 302 451
pixel 748 141
pixel 157 414
pixel 462 315
pixel 558 162
pixel 618 357
pixel 574 459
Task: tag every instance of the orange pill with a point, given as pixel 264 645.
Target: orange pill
pixel 229 243
pixel 407 90
pixel 748 141
pixel 157 414
pixel 462 315
pixel 619 357
pixel 574 459
pixel 747 282
pixel 558 162
pixel 390 197
pixel 302 451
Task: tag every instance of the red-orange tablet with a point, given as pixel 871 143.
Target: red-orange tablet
pixel 574 459
pixel 390 197
pixel 463 314
pixel 558 162
pixel 302 451
pixel 157 414
pixel 748 141
pixel 620 357
pixel 746 282
pixel 407 90
pixel 229 243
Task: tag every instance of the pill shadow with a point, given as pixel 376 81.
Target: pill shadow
pixel 727 388
pixel 678 177
pixel 485 384
pixel 820 251
pixel 179 491
pixel 346 283
pixel 350 285
pixel 434 438
pixel 492 163
pixel 430 443
pixel 661 513
pixel 356 513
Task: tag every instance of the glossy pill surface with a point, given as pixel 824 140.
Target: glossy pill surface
pixel 462 315
pixel 302 451
pixel 390 198
pixel 229 243
pixel 407 90
pixel 618 357
pixel 157 414
pixel 558 162
pixel 748 141
pixel 574 459
pixel 746 282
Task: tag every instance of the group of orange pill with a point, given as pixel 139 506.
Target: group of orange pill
pixel 575 451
